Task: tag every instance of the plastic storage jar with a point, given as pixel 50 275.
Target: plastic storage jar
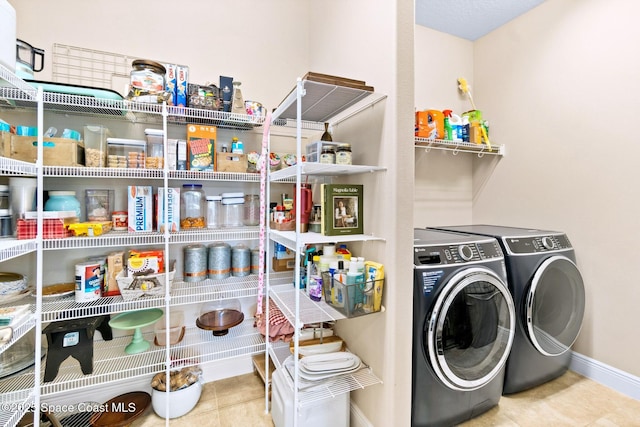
pixel 214 206
pixel 155 148
pixel 192 207
pixel 251 209
pixel 63 201
pixel 232 209
pixel 95 145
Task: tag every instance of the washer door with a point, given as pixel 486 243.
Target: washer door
pixel 469 332
pixel 555 305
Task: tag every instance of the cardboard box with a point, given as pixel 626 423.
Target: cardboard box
pixel 5 144
pixel 140 202
pixel 182 81
pixel 283 264
pixel 115 264
pixel 181 155
pixel 56 151
pixel 170 84
pixel 201 144
pixel 231 162
pixel 172 207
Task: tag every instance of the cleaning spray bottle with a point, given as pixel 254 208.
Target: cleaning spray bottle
pixel 447 125
pixel 456 127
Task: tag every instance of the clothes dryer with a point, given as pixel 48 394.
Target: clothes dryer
pixel 549 295
pixel 463 327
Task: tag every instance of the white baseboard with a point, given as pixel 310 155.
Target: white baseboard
pixel 607 375
pixel 357 417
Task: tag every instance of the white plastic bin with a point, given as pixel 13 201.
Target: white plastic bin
pixel 333 411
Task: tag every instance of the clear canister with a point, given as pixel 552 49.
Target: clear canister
pixel 232 209
pixel 95 145
pixel 192 207
pixel 147 77
pixel 214 208
pixel 155 148
pixel 251 209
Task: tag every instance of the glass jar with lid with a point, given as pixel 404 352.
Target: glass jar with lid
pixel 343 154
pixel 232 209
pixel 328 155
pixel 214 208
pixel 192 207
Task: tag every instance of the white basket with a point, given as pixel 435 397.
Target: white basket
pixel 151 285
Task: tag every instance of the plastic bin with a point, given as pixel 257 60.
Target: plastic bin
pixel 333 411
pixel 314 149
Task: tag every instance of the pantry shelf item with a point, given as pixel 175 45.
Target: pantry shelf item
pixel 135 402
pixel 141 286
pixel 220 316
pixel 135 320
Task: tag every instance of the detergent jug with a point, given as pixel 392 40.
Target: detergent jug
pixel 430 124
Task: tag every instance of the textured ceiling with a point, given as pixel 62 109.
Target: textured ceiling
pixel 469 19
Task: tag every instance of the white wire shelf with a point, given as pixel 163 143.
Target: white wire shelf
pixel 18 89
pixel 310 392
pixel 11 167
pixel 459 146
pixel 288 238
pixel 181 293
pixel 111 363
pixel 12 248
pixel 85 172
pixel 20 408
pixel 314 168
pixel 309 311
pixel 124 238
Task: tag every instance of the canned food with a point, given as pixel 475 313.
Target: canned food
pixel 120 220
pixel 89 277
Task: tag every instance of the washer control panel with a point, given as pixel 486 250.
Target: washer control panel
pixel 456 253
pixel 537 244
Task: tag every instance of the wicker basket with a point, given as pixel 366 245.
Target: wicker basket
pixel 151 285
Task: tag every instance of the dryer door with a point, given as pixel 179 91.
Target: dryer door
pixel 469 332
pixel 555 305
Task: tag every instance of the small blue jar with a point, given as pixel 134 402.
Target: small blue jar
pixel 63 201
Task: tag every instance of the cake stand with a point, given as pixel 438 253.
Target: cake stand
pixel 136 320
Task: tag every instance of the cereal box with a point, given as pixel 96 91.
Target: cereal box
pixel 172 207
pixel 140 202
pixel 115 264
pixel 201 143
pixel 182 80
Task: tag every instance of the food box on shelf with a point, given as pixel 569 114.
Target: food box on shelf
pixel 56 151
pixel 286 264
pixel 231 162
pixel 52 228
pixel 201 144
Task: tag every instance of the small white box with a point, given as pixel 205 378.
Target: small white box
pixel 182 155
pixel 173 209
pixel 140 203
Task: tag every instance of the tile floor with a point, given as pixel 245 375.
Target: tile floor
pixel 571 400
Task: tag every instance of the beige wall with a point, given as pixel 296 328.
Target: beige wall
pixel 560 85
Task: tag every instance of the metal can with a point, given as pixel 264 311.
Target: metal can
pixel 219 261
pixel 240 261
pixel 255 261
pixel 89 277
pixel 195 263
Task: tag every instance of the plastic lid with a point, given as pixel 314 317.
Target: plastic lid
pixel 232 201
pixel 213 198
pixel 231 195
pixel 191 185
pixel 158 132
pixel 62 193
pixel 4 188
pixel 122 141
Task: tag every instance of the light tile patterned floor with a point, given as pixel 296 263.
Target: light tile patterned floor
pixel 571 400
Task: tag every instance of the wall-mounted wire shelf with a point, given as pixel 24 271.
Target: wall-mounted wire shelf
pixel 459 147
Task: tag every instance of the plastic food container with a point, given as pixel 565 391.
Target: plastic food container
pixel 120 220
pixel 176 329
pixel 98 204
pixel 232 209
pixel 95 146
pixel 155 148
pixel 126 153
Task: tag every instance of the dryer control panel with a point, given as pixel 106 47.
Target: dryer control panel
pixel 456 253
pixel 537 244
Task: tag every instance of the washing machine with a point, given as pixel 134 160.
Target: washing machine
pixel 549 295
pixel 463 327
